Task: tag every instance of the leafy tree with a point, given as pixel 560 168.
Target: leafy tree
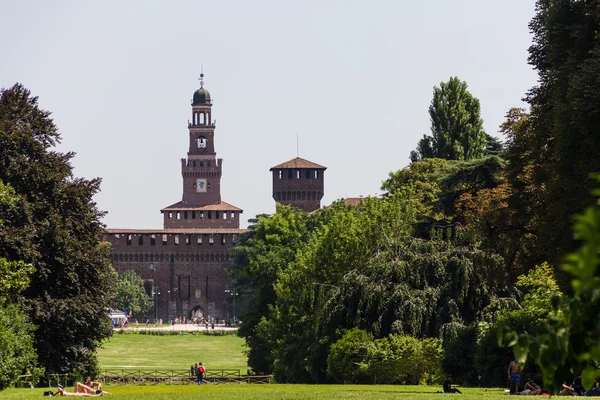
pixel 130 294
pixel 261 255
pixel 562 141
pixel 456 125
pixel 493 147
pixel 17 355
pixel 362 268
pixel 570 341
pixel 16 343
pixel 70 294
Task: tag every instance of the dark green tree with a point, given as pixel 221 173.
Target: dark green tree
pixel 564 136
pixel 570 340
pixel 456 125
pixel 70 293
pixel 130 294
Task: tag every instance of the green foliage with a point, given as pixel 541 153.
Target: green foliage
pixel 406 359
pixel 357 358
pixel 347 360
pixel 456 125
pixel 130 294
pixel 362 268
pixel 557 145
pixel 261 255
pixel 460 348
pixel 57 229
pixel 17 355
pixel 570 340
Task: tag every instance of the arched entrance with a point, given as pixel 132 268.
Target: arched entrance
pixel 196 313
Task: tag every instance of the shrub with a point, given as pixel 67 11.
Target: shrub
pixel 347 360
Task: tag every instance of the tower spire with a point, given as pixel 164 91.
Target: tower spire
pixel 201 75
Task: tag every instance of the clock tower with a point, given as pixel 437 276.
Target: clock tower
pixel 201 170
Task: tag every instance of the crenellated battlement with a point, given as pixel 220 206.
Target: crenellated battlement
pixel 202 164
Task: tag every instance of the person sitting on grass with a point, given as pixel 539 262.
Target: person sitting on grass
pixel 531 388
pixel 448 386
pixel 92 384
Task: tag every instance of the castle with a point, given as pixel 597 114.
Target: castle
pixel 183 265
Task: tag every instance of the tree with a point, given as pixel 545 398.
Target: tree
pixel 130 294
pixel 70 294
pixel 569 342
pixel 563 138
pixel 261 255
pixel 456 125
pixel 16 332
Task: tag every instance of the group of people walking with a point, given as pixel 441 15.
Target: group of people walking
pixel 198 371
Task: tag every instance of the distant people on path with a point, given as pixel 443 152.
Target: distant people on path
pixel 448 386
pixel 200 373
pixel 514 376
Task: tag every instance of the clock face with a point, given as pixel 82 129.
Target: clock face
pixel 201 142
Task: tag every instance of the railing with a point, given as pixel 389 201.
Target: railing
pixel 155 377
pixel 52 380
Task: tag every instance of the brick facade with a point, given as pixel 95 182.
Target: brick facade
pixel 299 183
pixel 183 265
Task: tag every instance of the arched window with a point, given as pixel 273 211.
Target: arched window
pixel 303 195
pixel 278 197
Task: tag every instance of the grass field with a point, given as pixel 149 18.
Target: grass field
pixel 173 352
pixel 274 391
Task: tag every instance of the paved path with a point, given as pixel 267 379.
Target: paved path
pixel 177 327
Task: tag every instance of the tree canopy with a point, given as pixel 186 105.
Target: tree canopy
pixel 456 125
pixel 58 232
pixel 130 294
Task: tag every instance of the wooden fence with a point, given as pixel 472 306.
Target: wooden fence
pixel 156 377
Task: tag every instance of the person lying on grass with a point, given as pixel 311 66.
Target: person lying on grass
pixel 81 390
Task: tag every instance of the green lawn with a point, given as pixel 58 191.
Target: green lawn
pixel 274 391
pixel 173 352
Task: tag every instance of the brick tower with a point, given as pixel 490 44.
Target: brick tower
pixel 184 266
pixel 201 205
pixel 299 183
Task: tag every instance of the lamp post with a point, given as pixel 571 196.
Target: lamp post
pixel 169 303
pixel 232 292
pixel 156 293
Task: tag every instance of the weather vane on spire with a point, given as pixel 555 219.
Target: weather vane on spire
pixel 201 75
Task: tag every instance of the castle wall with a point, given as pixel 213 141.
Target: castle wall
pixel 189 270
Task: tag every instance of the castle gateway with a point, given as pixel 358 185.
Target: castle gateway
pixel 183 265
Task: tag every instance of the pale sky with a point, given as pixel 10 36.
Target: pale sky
pixel 353 78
